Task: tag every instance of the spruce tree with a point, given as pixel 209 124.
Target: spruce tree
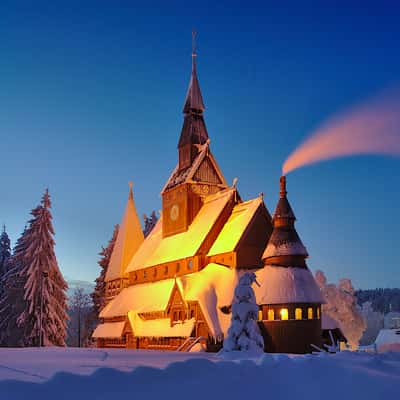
pixel 12 302
pixel 99 292
pixel 45 315
pixel 243 334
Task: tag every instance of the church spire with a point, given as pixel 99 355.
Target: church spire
pixel 194 131
pixel 194 99
pixel 285 247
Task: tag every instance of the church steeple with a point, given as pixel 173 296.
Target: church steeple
pixel 194 131
pixel 285 247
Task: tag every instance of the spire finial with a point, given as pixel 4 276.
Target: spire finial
pixel 194 33
pixel 130 190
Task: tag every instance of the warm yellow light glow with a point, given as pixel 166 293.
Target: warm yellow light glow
pixel 318 313
pixel 271 315
pixel 260 315
pixel 310 313
pixel 284 313
pixel 298 313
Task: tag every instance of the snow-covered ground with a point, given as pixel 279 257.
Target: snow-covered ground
pixel 56 373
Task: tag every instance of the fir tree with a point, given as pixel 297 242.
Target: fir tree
pixel 99 292
pixel 243 334
pixel 12 302
pixel 5 252
pixel 45 316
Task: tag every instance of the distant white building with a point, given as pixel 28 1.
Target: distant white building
pixel 392 320
pixel 388 340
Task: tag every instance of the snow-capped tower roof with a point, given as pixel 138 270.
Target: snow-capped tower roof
pixel 285 246
pixel 130 237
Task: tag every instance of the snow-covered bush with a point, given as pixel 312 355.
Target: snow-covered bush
pixel 341 305
pixel 243 334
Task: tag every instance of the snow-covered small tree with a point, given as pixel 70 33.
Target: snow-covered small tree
pixel 341 305
pixel 45 315
pixel 243 334
pixel 99 293
pixel 5 252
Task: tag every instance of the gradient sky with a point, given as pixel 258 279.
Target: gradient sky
pixel 91 96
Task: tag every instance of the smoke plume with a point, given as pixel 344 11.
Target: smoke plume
pixel 370 128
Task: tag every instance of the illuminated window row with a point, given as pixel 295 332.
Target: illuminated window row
pixel 282 314
pixel 154 272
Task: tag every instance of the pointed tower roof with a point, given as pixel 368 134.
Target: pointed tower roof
pixel 130 237
pixel 285 247
pixel 194 99
pixel 194 129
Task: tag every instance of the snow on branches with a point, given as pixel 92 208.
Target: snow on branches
pixel 243 334
pixel 45 314
pixel 341 305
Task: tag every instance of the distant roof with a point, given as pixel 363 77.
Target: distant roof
pixel 158 250
pixel 388 340
pixel 130 237
pixel 283 285
pixel 234 228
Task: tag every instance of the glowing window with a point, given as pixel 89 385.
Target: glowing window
pixel 318 313
pixel 298 313
pixel 310 313
pixel 271 315
pixel 284 313
pixel 260 316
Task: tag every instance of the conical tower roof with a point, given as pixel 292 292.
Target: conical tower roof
pixel 285 247
pixel 130 237
pixel 194 129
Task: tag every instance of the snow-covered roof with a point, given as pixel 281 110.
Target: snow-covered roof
pixel 234 228
pixel 212 287
pixel 187 175
pixel 328 322
pixel 282 285
pixel 146 297
pixel 159 327
pixel 388 340
pixel 158 250
pixel 109 330
pixel 130 237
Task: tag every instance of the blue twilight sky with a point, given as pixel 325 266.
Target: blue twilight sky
pixel 91 96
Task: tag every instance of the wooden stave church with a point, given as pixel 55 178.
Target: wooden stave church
pixel 175 288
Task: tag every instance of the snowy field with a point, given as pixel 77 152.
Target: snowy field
pixel 103 374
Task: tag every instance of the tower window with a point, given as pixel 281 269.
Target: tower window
pixel 284 313
pixel 310 313
pixel 318 313
pixel 271 315
pixel 298 313
pixel 260 315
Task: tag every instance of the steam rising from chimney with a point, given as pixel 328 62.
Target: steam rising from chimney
pixel 370 128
